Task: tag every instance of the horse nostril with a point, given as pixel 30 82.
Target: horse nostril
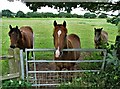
pixel 12 46
pixel 61 52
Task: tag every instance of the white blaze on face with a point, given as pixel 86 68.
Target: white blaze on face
pixel 57 53
pixel 59 33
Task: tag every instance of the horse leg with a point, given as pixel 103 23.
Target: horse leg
pixel 32 53
pixel 28 55
pixel 28 59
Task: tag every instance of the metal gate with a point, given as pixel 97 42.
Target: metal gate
pixel 50 76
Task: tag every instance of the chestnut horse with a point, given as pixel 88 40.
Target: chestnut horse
pixel 64 41
pixel 100 38
pixel 21 38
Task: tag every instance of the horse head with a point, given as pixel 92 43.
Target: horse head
pixel 59 35
pixel 14 35
pixel 97 38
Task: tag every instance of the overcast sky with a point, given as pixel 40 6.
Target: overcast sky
pixel 19 6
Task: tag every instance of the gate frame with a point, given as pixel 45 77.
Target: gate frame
pixel 52 50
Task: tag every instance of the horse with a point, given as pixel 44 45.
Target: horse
pixel 21 38
pixel 64 41
pixel 100 38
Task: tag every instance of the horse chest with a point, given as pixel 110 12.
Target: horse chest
pixel 66 56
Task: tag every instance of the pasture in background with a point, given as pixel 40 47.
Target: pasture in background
pixel 43 31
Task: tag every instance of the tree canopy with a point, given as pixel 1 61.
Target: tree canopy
pixel 99 5
pixel 7 13
pixel 20 14
pixel 67 6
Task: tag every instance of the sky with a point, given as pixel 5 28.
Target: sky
pixel 19 6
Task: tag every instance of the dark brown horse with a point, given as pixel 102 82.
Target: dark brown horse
pixel 21 38
pixel 64 41
pixel 100 38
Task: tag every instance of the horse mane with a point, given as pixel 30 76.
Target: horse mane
pixel 27 27
pixel 105 32
pixel 59 25
pixel 63 26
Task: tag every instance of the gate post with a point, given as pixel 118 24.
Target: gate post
pixel 104 60
pixel 22 64
pixel 14 62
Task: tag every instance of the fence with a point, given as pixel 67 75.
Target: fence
pixel 50 76
pixel 13 59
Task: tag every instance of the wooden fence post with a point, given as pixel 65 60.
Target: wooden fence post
pixel 14 64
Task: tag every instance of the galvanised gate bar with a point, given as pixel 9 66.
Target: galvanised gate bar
pixel 52 77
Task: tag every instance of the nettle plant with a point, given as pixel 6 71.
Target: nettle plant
pixel 15 84
pixel 109 78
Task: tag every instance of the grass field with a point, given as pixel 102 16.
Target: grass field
pixel 43 29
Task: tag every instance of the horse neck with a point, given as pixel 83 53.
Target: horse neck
pixel 21 41
pixel 67 43
pixel 102 35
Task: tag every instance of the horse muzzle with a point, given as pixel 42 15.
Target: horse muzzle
pixel 97 42
pixel 58 53
pixel 12 46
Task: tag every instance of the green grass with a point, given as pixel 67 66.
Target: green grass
pixel 43 30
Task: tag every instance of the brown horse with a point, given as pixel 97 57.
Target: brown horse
pixel 64 41
pixel 100 38
pixel 21 38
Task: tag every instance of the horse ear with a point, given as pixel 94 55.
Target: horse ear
pixel 10 26
pixel 16 27
pixel 64 23
pixel 101 28
pixel 55 23
pixel 95 29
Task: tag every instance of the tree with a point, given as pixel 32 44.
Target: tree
pixel 7 13
pixel 115 20
pixel 102 15
pixel 20 14
pixel 93 6
pixel 93 16
pixel 33 15
pixel 87 15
